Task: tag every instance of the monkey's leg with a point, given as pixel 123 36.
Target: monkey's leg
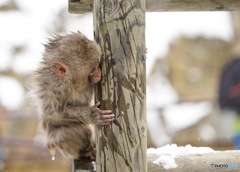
pixel 78 140
pixel 88 154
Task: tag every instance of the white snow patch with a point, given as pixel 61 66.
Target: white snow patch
pixel 168 162
pixel 180 116
pixel 11 93
pixel 169 152
pixel 173 149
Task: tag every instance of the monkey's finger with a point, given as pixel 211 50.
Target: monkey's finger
pixel 106 112
pixel 97 104
pixel 111 116
pixel 107 121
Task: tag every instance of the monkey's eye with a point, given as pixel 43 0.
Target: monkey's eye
pixel 97 62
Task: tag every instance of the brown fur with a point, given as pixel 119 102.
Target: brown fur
pixel 64 94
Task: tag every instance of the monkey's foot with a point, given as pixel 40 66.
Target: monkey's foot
pixel 89 154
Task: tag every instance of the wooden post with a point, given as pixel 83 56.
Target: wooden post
pixel 120 31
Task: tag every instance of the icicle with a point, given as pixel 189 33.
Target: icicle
pixel 53 157
pixel 52 152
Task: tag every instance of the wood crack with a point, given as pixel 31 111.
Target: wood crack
pixel 219 6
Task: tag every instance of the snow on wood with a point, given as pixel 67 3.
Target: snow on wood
pixel 189 158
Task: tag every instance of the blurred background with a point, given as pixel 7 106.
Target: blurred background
pixel 187 52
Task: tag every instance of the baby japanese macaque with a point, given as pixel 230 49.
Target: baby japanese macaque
pixel 63 87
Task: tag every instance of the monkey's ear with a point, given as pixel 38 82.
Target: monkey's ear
pixel 60 69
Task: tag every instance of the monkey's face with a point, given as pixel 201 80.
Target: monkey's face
pixel 75 57
pixel 95 74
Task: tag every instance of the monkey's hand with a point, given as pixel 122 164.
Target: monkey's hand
pixel 102 117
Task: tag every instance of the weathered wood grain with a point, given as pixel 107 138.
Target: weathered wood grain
pixel 192 5
pixel 120 31
pixel 80 6
pixel 83 6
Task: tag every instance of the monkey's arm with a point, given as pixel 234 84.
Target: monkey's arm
pixel 92 115
pixel 56 114
pixel 76 115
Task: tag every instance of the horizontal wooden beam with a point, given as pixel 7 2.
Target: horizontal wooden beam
pixel 216 161
pixel 212 162
pixel 192 5
pixel 84 6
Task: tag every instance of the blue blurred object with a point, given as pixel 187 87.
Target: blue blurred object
pixel 1 154
pixel 237 141
pixel 236 138
pixel 1 160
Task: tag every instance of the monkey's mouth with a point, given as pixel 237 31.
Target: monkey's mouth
pixel 97 78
